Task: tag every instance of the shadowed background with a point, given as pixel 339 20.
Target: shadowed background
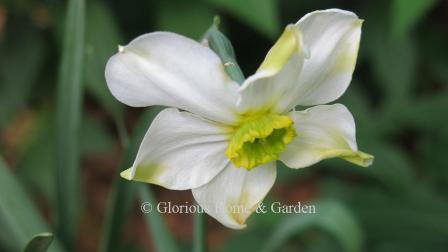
pixel 64 138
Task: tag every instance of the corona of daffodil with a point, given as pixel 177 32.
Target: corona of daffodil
pixel 222 140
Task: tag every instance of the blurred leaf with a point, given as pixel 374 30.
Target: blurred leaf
pixel 420 217
pixel 414 218
pixel 68 104
pixel 330 216
pixel 19 218
pixel 189 18
pixel 391 167
pixel 102 39
pixel 94 138
pixel 222 46
pixel 432 150
pixel 22 54
pixel 428 113
pixel 200 232
pixel 39 243
pixel 262 15
pixel 163 241
pixel 322 242
pixel 123 194
pixel 407 246
pixel 394 64
pixel 37 162
pixel 406 14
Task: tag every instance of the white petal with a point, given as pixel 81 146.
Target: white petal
pixel 180 151
pixel 324 131
pixel 332 38
pixel 233 195
pixel 163 68
pixel 317 72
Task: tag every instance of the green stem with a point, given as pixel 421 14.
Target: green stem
pixel 199 242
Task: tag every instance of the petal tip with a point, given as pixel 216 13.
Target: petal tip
pixel 127 174
pixel 367 159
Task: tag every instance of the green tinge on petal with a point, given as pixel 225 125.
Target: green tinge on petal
pixel 346 61
pixel 144 173
pixel 356 157
pixel 285 47
pixel 260 139
pixel 127 174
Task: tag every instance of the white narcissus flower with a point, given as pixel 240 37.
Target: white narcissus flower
pixel 224 143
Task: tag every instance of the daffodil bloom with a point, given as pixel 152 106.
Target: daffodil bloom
pixel 222 140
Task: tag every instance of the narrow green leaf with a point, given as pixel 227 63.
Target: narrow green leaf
pixel 39 243
pixel 262 15
pixel 330 217
pixel 405 14
pixel 200 239
pixel 123 195
pixel 163 240
pixel 69 103
pixel 19 218
pixel 222 46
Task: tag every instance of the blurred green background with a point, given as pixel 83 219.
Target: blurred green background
pixel 63 137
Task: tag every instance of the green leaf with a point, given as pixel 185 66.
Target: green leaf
pixel 330 217
pixel 123 195
pixel 36 167
pixel 95 138
pixel 394 65
pixel 419 217
pixel 222 46
pixel 406 14
pixel 68 104
pixel 19 218
pixel 262 15
pixel 39 243
pixel 199 232
pixel 102 39
pixel 163 240
pixel 172 16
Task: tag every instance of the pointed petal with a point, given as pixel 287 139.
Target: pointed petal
pixel 317 71
pixel 180 151
pixel 163 68
pixel 324 131
pixel 233 195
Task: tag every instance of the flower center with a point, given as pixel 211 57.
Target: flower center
pixel 259 139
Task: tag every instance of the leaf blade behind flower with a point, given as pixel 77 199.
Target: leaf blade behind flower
pixel 69 103
pixel 330 217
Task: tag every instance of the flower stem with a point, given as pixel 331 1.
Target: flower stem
pixel 199 242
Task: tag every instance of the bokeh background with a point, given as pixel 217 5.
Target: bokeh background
pixel 64 139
